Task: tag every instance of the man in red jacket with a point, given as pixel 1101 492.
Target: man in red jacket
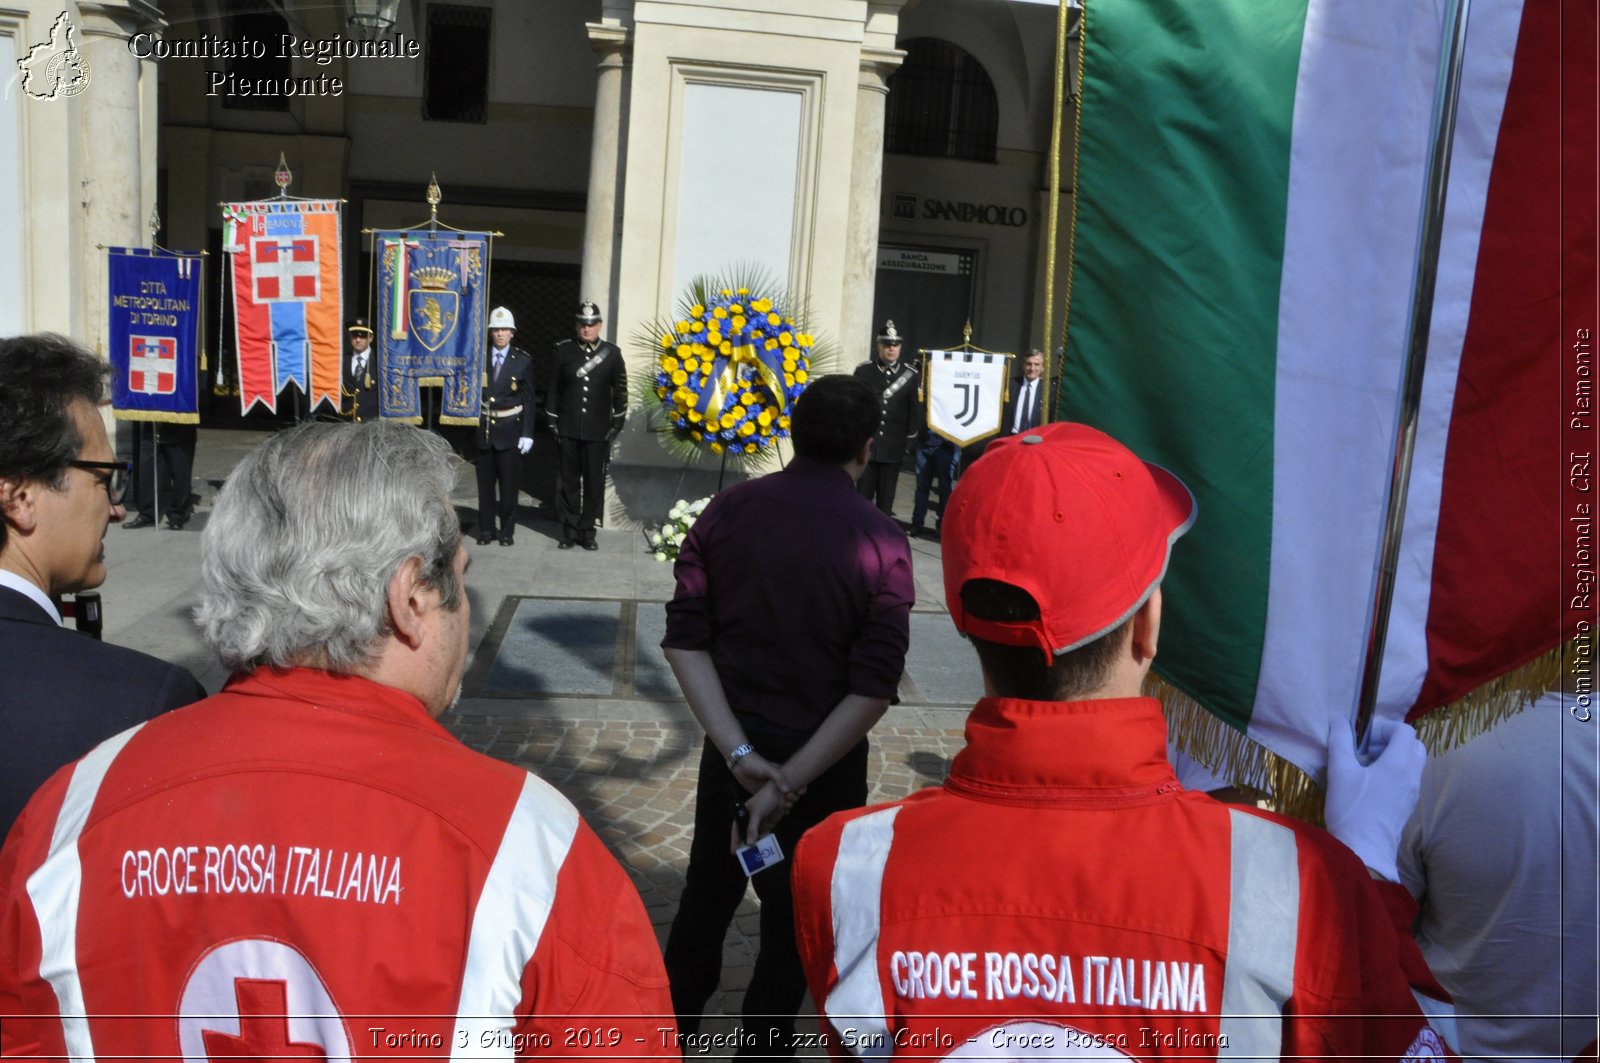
pixel 1061 895
pixel 308 863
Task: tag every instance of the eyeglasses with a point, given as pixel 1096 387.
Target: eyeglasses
pixel 117 474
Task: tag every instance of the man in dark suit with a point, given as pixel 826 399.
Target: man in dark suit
pixel 361 372
pixel 587 404
pixel 164 474
pixel 505 429
pixel 895 383
pixel 60 489
pixel 1026 408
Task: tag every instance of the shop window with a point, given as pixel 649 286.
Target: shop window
pixel 942 103
pixel 456 88
pixel 264 30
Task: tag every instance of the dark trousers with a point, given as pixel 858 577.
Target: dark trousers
pixel 165 469
pixel 582 493
pixel 715 885
pixel 497 468
pixel 878 482
pixel 937 459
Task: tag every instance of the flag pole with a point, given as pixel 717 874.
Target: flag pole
pixel 1446 101
pixel 1053 207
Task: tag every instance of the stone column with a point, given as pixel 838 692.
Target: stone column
pixel 866 195
pixel 116 166
pixel 600 231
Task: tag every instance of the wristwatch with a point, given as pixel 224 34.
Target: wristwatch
pixel 739 754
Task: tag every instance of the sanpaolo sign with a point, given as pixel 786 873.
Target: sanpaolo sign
pixel 973 213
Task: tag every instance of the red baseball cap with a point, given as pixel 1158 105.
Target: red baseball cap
pixel 1074 518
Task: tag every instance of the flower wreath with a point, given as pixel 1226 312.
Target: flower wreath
pixel 729 370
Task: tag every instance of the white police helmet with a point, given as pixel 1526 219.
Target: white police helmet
pixel 500 317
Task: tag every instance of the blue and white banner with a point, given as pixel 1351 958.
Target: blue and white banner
pixel 155 331
pixel 432 292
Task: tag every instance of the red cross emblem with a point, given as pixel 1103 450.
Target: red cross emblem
pixel 152 365
pixel 285 269
pixel 263 1027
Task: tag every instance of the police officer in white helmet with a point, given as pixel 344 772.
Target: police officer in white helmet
pixel 505 429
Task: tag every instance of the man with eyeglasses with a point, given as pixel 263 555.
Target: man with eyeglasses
pixel 60 488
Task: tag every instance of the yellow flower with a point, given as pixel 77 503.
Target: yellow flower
pixel 726 348
pixel 666 341
pixel 765 417
pixel 669 363
pixel 800 376
pixel 680 378
pixel 726 293
pixel 748 428
pixel 697 310
pixel 728 420
pixel 736 308
pixel 806 340
pixel 788 379
pixel 719 313
pixel 661 393
pixel 685 350
pixel 750 448
pixel 783 422
pixel 716 448
pixel 744 291
pixel 770 345
pixel 694 415
pixel 773 319
pixel 738 321
pixel 748 398
pixel 714 337
pixel 761 306
pixel 789 362
pixel 683 327
pixel 698 326
pixel 697 435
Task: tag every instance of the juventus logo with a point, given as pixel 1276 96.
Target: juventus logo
pixel 969 404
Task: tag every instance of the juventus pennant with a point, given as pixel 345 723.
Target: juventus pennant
pixel 966 392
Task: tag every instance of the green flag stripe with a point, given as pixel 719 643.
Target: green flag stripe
pixel 1183 172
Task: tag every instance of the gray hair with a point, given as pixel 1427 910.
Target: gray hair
pixel 306 535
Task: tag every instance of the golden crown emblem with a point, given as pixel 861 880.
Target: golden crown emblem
pixel 433 278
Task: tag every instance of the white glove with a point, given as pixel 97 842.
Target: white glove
pixel 524 444
pixel 1368 804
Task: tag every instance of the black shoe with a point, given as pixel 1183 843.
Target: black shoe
pixel 176 521
pixel 485 538
pixel 590 544
pixel 506 540
pixel 189 505
pixel 565 544
pixel 140 521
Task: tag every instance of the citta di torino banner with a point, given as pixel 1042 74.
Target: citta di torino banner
pixel 966 394
pixel 432 291
pixel 154 334
pixel 288 299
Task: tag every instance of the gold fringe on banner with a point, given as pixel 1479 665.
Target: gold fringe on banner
pixel 458 420
pixel 155 415
pixel 1286 787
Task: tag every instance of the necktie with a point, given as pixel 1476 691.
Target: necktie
pixel 1027 406
pixel 499 360
pixel 361 365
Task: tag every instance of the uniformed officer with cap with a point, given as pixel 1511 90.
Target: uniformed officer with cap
pixel 361 371
pixel 505 428
pixel 586 404
pixel 895 382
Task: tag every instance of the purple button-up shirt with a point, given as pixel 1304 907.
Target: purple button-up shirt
pixel 800 590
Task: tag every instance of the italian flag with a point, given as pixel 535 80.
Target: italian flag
pixel 1249 196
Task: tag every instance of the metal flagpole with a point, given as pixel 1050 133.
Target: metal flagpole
pixel 1053 209
pixel 1446 99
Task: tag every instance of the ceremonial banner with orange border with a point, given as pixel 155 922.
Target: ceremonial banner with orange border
pixel 288 298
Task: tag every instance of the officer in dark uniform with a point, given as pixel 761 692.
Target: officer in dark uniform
pixel 361 372
pixel 505 428
pixel 587 403
pixel 895 382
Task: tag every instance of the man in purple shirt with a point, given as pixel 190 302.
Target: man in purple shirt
pixel 788 634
